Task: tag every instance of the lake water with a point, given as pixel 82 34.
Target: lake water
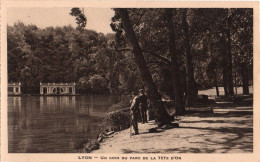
pixel 55 124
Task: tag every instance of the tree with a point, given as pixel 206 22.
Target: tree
pixel 23 64
pixel 227 58
pixel 242 36
pixel 191 87
pixel 178 100
pixel 81 19
pixel 152 92
pixel 201 43
pixel 98 83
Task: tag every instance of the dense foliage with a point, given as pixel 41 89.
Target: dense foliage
pixel 65 54
pixel 208 43
pixel 212 41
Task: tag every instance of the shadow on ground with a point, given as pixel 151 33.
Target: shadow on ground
pixel 226 129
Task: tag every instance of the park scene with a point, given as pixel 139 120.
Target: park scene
pixel 130 80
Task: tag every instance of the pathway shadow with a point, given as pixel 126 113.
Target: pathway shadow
pixel 158 131
pixel 224 114
pixel 218 132
pixel 238 139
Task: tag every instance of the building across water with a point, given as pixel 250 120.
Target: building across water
pixel 57 88
pixel 14 88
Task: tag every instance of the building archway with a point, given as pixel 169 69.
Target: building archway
pixel 62 90
pixel 70 90
pixel 44 90
pixel 58 90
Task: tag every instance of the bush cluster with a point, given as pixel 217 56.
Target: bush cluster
pixel 118 116
pixel 86 146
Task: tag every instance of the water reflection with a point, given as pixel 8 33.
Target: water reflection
pixel 54 123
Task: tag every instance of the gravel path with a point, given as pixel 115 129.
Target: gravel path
pixel 227 130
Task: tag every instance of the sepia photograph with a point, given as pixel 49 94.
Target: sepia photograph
pixel 130 81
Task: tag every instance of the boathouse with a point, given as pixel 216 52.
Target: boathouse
pixel 14 88
pixel 57 88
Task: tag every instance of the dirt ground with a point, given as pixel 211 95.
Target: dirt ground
pixel 228 129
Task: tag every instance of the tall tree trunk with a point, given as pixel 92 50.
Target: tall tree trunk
pixel 235 81
pixel 214 71
pixel 178 95
pixel 217 91
pixel 226 92
pixel 227 68
pixel 229 61
pixel 216 83
pixel 191 90
pixel 244 75
pixel 227 56
pixel 168 82
pixel 161 115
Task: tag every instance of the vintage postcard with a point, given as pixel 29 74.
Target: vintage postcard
pixel 129 81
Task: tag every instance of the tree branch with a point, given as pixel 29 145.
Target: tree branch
pixel 158 56
pixel 141 15
pixel 122 49
pixel 158 63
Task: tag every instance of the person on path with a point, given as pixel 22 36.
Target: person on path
pixel 134 111
pixel 143 105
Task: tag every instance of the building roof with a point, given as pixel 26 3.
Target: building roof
pixel 57 84
pixel 14 84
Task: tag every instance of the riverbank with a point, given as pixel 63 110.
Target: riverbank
pixel 228 129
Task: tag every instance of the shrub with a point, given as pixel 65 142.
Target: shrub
pixel 119 114
pixel 86 146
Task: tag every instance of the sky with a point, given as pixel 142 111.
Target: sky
pixel 98 19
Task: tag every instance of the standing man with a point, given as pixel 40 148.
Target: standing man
pixel 134 111
pixel 143 105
